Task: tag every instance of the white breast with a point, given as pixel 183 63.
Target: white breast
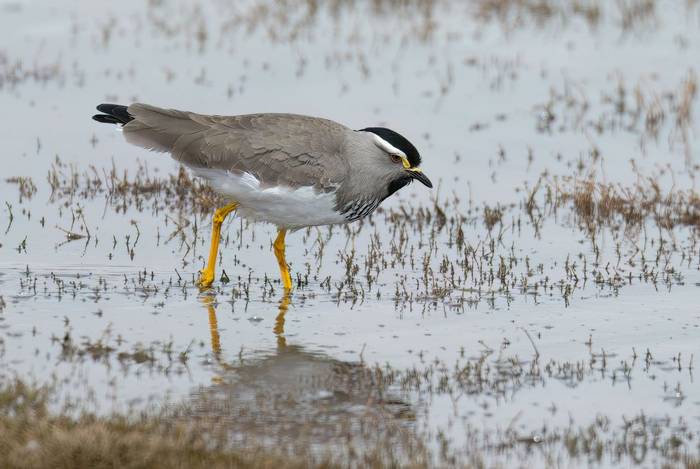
pixel 281 206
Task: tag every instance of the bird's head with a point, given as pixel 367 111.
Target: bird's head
pixel 398 160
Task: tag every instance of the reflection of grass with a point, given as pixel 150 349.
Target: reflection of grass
pixel 31 437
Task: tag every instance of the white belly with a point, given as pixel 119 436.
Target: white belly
pixel 281 206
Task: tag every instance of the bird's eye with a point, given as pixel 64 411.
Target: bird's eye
pixel 395 158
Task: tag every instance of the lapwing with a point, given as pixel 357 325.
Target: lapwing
pixel 290 170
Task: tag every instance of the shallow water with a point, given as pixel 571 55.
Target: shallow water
pixel 564 326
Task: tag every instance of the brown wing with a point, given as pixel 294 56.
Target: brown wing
pixel 278 149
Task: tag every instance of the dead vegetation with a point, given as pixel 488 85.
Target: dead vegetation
pixel 294 22
pixel 512 14
pixel 599 204
pixel 31 437
pixel 14 72
pixel 141 190
pixel 627 15
pixel 25 186
pixel 644 109
pixel 442 252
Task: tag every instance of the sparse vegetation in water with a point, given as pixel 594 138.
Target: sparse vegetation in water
pixel 475 253
pixel 536 311
pixel 655 116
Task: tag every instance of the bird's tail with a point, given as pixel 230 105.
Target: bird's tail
pixel 113 114
pixel 155 128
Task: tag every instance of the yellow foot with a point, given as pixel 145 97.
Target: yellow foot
pixel 206 278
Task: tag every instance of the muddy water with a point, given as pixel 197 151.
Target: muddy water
pixel 524 323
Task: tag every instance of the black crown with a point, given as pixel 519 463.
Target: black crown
pixel 399 141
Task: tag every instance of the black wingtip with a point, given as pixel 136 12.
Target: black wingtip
pixel 113 114
pixel 105 119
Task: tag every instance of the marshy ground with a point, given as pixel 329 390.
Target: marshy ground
pixel 538 308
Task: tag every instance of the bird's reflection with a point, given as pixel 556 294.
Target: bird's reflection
pixel 209 301
pixel 291 392
pixel 279 320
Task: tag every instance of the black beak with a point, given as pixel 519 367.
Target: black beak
pixel 418 175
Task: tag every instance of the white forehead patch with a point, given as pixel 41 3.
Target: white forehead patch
pixel 387 147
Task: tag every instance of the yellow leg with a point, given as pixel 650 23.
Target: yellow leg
pixel 279 253
pixel 206 276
